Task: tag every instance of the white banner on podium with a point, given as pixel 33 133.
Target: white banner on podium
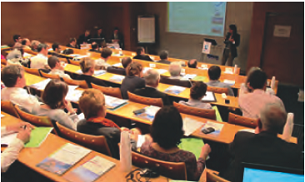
pixel 206 49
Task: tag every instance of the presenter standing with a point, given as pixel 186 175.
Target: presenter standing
pixel 232 41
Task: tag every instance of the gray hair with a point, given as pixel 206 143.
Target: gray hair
pixel 151 77
pixel 42 46
pixel 273 117
pixel 35 43
pixel 14 54
pixel 175 68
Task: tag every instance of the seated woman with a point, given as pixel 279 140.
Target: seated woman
pixel 197 92
pixel 87 66
pixel 166 132
pixel 92 104
pixel 133 79
pixel 54 104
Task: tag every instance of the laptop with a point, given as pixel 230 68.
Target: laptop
pixel 268 173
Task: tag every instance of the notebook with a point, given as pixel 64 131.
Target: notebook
pixel 150 112
pixel 113 103
pixel 209 97
pixel 176 90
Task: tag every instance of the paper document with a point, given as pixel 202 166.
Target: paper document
pixel 161 71
pixel 41 85
pixel 74 95
pixel 248 130
pixel 229 70
pixel 217 126
pixel 141 140
pixel 175 90
pixel 117 78
pixel 119 65
pixel 188 76
pixel 38 136
pixel 96 72
pixel 150 112
pixel 229 82
pixel 113 102
pixel 209 97
pixel 190 125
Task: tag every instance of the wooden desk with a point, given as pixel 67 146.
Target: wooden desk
pixel 32 156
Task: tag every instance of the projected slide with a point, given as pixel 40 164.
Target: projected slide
pixel 205 18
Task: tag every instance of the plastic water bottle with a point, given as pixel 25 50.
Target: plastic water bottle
pixel 235 69
pixel 273 82
pixel 287 132
pixel 125 152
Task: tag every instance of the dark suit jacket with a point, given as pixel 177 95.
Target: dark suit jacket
pixel 82 38
pixel 91 79
pixel 233 49
pixel 130 83
pixel 164 61
pixel 263 148
pixel 182 83
pixel 115 70
pixel 153 93
pixel 143 57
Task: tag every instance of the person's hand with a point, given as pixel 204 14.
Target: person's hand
pixel 19 126
pixel 24 134
pixel 68 106
pixel 205 150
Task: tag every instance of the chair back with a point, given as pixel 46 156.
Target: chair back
pixel 97 143
pixel 145 100
pixel 218 90
pixel 205 113
pixel 173 170
pixel 115 92
pixel 8 107
pixel 33 119
pixel 81 83
pixel 212 177
pixel 3 61
pixel 243 121
pixel 77 63
pixel 178 82
pixel 47 75
pixel 32 71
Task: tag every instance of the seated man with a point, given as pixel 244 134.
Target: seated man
pixel 214 75
pixel 102 62
pixel 122 71
pixel 15 57
pixel 152 78
pixel 141 54
pixel 95 47
pixel 17 40
pixel 163 57
pixel 175 71
pixel 192 63
pixel 40 61
pixel 264 147
pixel 252 103
pixel 34 45
pixel 57 67
pixel 72 43
pixel 56 47
pixel 13 78
pixel 26 43
pixel 83 39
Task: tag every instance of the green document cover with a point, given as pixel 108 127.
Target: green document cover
pixel 38 135
pixel 193 145
pixel 201 78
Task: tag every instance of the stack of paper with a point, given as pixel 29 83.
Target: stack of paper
pixel 174 90
pixel 117 78
pixel 41 85
pixel 209 97
pixel 217 126
pixel 60 161
pixel 190 125
pixel 90 171
pixel 204 67
pixel 113 102
pixel 229 82
pixel 74 95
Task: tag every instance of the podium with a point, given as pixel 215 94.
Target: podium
pixel 208 51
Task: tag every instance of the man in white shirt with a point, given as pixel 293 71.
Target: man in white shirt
pixel 13 78
pixel 57 67
pixel 10 154
pixel 40 61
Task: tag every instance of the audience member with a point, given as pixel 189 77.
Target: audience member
pixel 264 147
pixel 141 54
pixel 54 101
pixel 192 63
pixel 95 47
pixel 121 71
pixel 174 79
pixel 26 43
pixel 57 67
pixel 13 78
pixel 197 92
pixel 164 57
pixel 175 70
pixel 117 37
pixel 56 48
pixel 84 38
pixel 17 40
pixel 72 43
pixel 68 51
pixel 34 45
pixel 133 79
pixel 92 104
pixel 15 57
pixel 252 103
pixel 87 66
pixel 166 133
pixel 40 61
pixel 214 75
pixel 152 78
pixel 102 62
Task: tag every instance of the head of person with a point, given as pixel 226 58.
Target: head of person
pixel 54 94
pixel 256 79
pixel 272 118
pixel 68 51
pixel 164 54
pixel 134 69
pixel 34 44
pixel 54 63
pixel 214 72
pixel 26 42
pixel 13 76
pixel 99 30
pixel 192 63
pixel 126 61
pixel 198 90
pixel 116 30
pixel 56 47
pixel 17 38
pixel 73 41
pixel 174 69
pixel 87 33
pixel 43 49
pixel 166 129
pixel 14 54
pixel 152 77
pixel 106 53
pixel 92 103
pixel 140 51
pixel 232 29
pixel 87 66
pixel 94 45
